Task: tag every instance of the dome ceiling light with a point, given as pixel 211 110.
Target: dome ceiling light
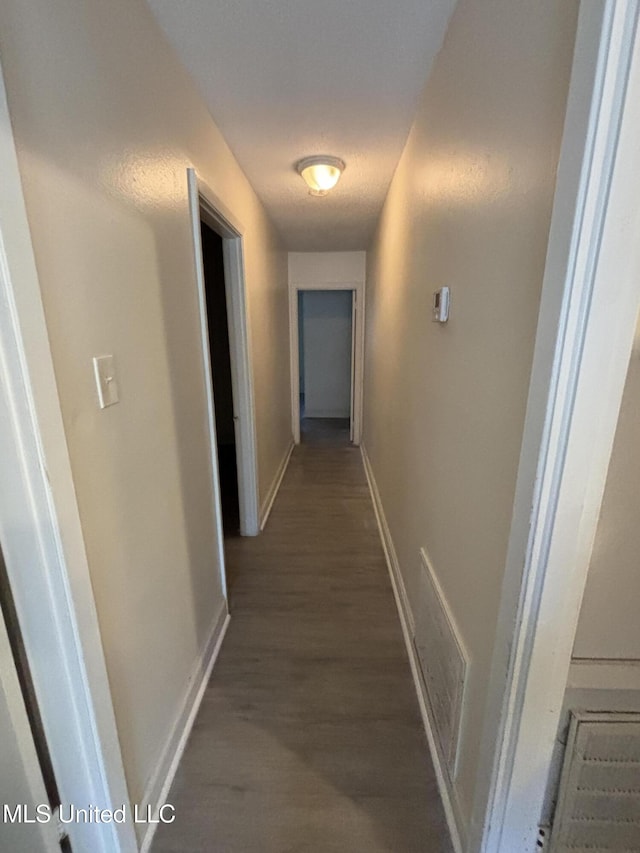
pixel 321 173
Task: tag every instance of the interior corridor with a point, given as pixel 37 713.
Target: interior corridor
pixel 309 736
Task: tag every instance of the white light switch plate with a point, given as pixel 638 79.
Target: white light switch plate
pixel 105 373
pixel 441 305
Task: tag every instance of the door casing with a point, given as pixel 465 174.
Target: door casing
pixel 358 288
pixel 205 205
pixel 587 320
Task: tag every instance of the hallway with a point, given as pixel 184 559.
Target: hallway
pixel 309 736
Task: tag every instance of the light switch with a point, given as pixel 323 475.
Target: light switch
pixel 105 373
pixel 441 305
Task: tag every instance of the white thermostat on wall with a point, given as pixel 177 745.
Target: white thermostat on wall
pixel 441 305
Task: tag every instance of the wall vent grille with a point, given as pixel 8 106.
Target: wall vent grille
pixel 598 808
pixel 443 661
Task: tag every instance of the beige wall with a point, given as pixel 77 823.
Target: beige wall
pixel 106 123
pixel 307 268
pixel 469 207
pixel 609 625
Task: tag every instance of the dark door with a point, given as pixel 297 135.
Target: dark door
pixel 218 323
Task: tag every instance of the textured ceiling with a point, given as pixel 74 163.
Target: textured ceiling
pixel 285 79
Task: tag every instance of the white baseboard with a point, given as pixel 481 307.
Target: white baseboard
pixel 447 794
pixel 162 778
pixel 275 486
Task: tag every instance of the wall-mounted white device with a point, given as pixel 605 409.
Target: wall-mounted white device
pixel 106 381
pixel 441 305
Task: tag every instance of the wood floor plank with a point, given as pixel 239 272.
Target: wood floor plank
pixel 309 736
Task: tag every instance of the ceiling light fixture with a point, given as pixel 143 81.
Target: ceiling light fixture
pixel 321 174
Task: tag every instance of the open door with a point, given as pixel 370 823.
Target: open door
pixel 206 210
pixel 221 377
pixel 351 358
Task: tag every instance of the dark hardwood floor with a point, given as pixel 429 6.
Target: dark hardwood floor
pixel 325 432
pixel 309 736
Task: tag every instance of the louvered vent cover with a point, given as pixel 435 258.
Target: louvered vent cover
pixel 442 660
pixel 598 807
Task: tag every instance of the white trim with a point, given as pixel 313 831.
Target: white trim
pixel 294 364
pixel 242 384
pixel 357 390
pixel 358 400
pixel 158 787
pixel 41 530
pixel 205 205
pixel 447 793
pixel 387 544
pixel 590 300
pixel 194 208
pixel 354 314
pixel 607 675
pixel 275 487
pixel 41 837
pixel 215 214
pixel 461 649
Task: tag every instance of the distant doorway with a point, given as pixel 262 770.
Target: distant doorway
pixel 326 364
pixel 326 329
pixel 219 351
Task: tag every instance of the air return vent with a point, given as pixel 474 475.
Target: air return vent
pixel 442 660
pixel 598 807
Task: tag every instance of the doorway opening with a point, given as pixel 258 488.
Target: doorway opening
pixel 326 327
pixel 326 346
pixel 226 361
pixel 220 355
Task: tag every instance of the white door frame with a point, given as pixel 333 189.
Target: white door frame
pixel 205 205
pixel 590 300
pixel 43 837
pixel 352 406
pixel 42 539
pixel 358 288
